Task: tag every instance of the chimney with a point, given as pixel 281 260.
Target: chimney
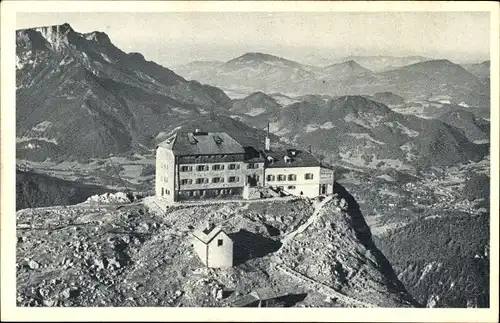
pixel 268 140
pixel 208 225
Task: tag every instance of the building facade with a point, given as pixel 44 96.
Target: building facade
pixel 298 173
pixel 200 165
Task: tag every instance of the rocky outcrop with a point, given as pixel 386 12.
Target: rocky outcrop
pixel 337 250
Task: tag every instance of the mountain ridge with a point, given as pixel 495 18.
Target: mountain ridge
pixel 356 129
pixel 418 78
pixel 74 89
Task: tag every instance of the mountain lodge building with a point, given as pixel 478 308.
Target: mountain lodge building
pixel 200 165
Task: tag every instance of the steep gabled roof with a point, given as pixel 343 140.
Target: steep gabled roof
pixel 294 158
pixel 205 235
pixel 202 143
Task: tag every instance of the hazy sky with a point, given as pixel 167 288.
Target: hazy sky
pixel 309 37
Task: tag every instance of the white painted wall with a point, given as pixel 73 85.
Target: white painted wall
pixel 201 249
pixel 309 188
pixel 220 256
pixel 165 173
pixel 327 177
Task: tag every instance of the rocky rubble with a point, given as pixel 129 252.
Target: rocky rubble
pixel 110 254
pixel 345 258
pixel 119 197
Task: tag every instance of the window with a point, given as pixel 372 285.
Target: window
pixel 219 242
pixel 217 167
pixel 253 166
pixel 168 192
pixel 291 187
pixel 162 191
pixel 270 178
pixel 186 181
pixel 217 180
pixel 281 187
pixel 201 180
pixel 308 176
pixel 233 166
pixel 202 193
pixel 281 178
pixel 233 179
pixel 186 168
pixel 292 177
pixel 201 168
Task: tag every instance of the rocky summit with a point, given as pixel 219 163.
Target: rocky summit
pixel 303 252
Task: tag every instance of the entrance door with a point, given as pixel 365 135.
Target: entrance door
pixel 162 191
pixel 252 180
pixel 323 189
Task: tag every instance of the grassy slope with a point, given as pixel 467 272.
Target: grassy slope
pixel 37 190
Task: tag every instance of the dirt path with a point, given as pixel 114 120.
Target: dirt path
pixel 161 205
pixel 311 220
pixel 322 288
pixel 315 285
pixel 211 202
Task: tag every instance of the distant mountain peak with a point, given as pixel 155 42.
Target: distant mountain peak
pixel 442 61
pixel 443 65
pixel 257 93
pixel 355 103
pixel 55 35
pixel 257 57
pixel 63 28
pixel 98 36
pixel 253 56
pixel 348 63
pixel 58 37
pixel 136 56
pixel 347 68
pixel 436 62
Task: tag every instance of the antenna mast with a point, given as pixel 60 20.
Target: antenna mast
pixel 268 140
